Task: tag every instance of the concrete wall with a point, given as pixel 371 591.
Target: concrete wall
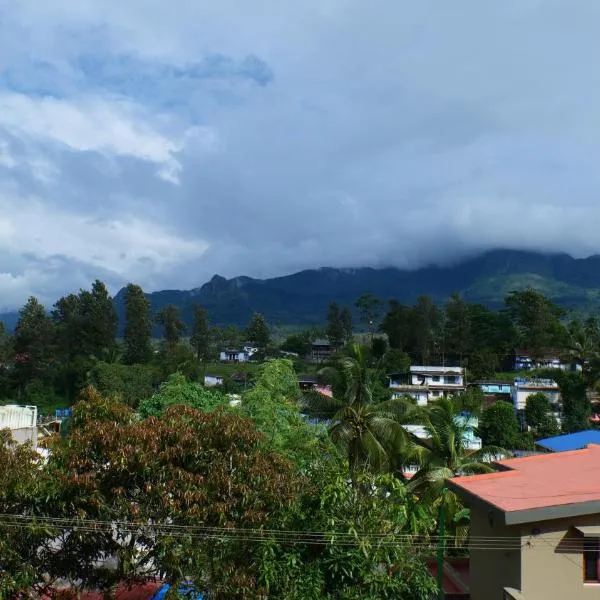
pixel 491 570
pixel 552 561
pixel 548 565
pixel 25 434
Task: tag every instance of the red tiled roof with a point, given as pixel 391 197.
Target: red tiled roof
pixel 539 481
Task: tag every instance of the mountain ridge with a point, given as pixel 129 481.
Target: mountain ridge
pixel 302 298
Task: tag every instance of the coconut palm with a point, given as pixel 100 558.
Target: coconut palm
pixel 445 453
pixel 369 432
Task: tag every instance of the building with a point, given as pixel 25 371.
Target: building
pixel 213 380
pixel 523 388
pixel 570 441
pixel 549 358
pixel 321 350
pixel 426 384
pixel 470 440
pixel 535 527
pixel 22 422
pixel 233 355
pixel 494 390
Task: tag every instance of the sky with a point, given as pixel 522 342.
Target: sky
pixel 163 142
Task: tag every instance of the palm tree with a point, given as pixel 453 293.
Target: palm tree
pixel 370 433
pixel 445 452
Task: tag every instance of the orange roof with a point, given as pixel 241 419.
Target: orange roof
pixel 560 479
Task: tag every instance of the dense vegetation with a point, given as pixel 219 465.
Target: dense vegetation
pixel 271 493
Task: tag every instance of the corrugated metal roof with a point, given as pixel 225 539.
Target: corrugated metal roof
pixel 13 416
pixel 570 441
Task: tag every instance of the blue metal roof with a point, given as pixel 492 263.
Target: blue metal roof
pixel 571 441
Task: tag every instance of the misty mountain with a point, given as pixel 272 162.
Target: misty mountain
pixel 302 298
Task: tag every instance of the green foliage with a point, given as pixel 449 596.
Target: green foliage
pixel 200 338
pixel 258 331
pixel 178 390
pixel 130 383
pixel 21 493
pixel 395 361
pixel 33 344
pixel 368 431
pixel 445 453
pixel 172 326
pixel 360 564
pixel 499 426
pixel 186 468
pixel 335 326
pixel 300 343
pixel 537 319
pixel 273 406
pixel 576 406
pixel 138 327
pixel 539 417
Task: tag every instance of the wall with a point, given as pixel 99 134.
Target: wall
pixel 491 570
pixel 552 561
pixel 25 434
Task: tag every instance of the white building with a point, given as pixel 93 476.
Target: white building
pixel 523 388
pixel 237 355
pixel 426 384
pixel 22 422
pixel 213 380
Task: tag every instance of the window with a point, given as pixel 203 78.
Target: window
pixel 451 379
pixel 435 378
pixel 591 560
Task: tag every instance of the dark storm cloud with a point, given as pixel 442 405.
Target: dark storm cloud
pixel 259 138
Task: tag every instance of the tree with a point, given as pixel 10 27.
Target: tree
pixel 397 324
pixel 131 384
pixel 200 339
pixel 6 358
pixel 395 361
pixel 298 343
pixel 172 325
pixel 538 415
pixel 347 326
pixel 187 468
pixel 369 309
pixel 33 344
pixel 369 433
pixel 426 323
pixel 22 547
pixel 258 331
pixel 537 319
pixel 273 406
pixel 335 326
pixel 178 390
pixel 576 406
pixel 351 567
pixel 99 321
pixel 138 328
pixel 457 331
pixel 499 426
pixel 73 360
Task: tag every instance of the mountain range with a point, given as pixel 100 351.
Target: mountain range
pixel 302 298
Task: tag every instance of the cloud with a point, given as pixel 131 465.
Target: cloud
pixel 259 138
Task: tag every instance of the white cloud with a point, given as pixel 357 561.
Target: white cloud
pixel 324 132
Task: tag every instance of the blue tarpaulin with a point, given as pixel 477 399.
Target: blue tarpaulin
pixel 186 591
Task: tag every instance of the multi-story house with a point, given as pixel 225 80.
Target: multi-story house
pixel 426 384
pixel 535 527
pixel 523 388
